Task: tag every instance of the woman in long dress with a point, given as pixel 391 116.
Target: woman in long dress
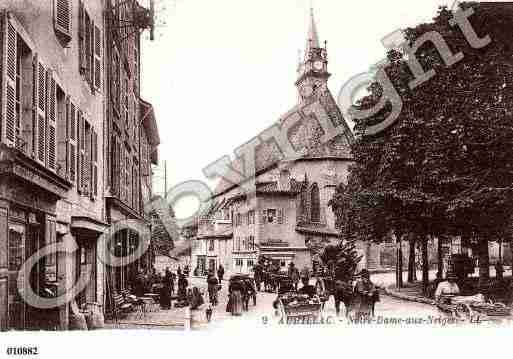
pixel 235 297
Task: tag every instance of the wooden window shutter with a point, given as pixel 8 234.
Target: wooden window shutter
pixel 91 55
pixel 63 128
pixel 51 122
pixel 94 163
pixel 81 152
pixel 122 170
pixel 81 38
pixel 39 111
pixel 72 142
pixel 115 166
pixel 9 71
pixel 62 17
pixel 119 161
pixel 88 42
pixel 4 236
pixel 97 58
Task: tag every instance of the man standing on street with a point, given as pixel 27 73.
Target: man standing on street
pixel 220 273
pixel 294 274
pixel 212 285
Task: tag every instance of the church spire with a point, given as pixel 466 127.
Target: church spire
pixel 313 70
pixel 312 41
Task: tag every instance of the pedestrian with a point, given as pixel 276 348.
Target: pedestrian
pixel 499 271
pixel 168 280
pixel 172 282
pixel 447 287
pixel 179 271
pixel 212 285
pixel 195 299
pixel 165 291
pixel 365 296
pixel 293 274
pixel 235 290
pixel 182 287
pixel 258 276
pixel 220 273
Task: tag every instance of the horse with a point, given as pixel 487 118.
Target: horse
pixel 341 290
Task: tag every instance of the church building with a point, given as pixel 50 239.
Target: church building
pixel 288 218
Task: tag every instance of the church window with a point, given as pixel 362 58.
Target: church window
pixel 315 204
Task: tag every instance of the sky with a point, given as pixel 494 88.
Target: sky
pixel 221 71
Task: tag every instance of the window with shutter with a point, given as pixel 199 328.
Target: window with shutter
pixel 63 113
pixel 94 163
pixel 128 181
pixel 115 166
pixel 72 142
pixel 87 44
pixel 81 152
pixel 97 58
pixel 115 81
pixel 9 73
pixel 40 111
pixel 62 17
pixel 51 122
pixel 122 171
pixel 87 175
pixel 81 37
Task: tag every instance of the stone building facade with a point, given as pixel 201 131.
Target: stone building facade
pixel 287 218
pixel 54 179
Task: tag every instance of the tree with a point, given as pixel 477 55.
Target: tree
pixel 341 259
pixel 446 165
pixel 161 240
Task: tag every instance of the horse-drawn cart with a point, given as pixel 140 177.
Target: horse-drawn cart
pixel 296 308
pixel 473 308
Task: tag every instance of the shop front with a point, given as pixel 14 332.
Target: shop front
pixel 28 221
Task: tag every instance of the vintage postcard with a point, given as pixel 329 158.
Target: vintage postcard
pixel 181 167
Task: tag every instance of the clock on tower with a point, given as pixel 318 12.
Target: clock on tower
pixel 312 70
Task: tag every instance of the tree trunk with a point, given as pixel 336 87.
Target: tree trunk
pixel 484 262
pixel 412 268
pixel 425 265
pixel 440 258
pixel 399 264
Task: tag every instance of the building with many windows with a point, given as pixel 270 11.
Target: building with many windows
pixel 60 95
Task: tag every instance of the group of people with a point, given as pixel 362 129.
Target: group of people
pixel 240 291
pixel 167 291
pixel 359 296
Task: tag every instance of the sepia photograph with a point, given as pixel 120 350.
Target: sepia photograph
pixel 173 172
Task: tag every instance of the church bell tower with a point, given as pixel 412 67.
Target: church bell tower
pixel 313 68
